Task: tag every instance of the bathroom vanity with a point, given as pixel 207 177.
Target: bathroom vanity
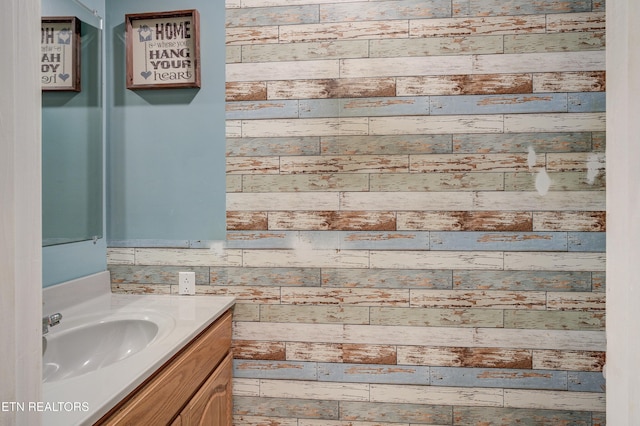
pixel 135 359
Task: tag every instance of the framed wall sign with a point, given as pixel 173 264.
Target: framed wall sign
pixel 163 49
pixel 60 53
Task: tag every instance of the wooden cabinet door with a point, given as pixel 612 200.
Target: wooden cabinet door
pixel 212 404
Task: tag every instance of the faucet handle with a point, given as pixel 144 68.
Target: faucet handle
pixel 50 321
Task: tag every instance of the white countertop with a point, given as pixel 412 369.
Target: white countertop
pixel 86 398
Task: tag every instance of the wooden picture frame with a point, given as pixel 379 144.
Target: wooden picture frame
pixel 163 49
pixel 60 53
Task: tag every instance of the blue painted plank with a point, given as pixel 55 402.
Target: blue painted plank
pixel 286 370
pixel 499 104
pixel 503 241
pixel 262 239
pixel 587 381
pixel 384 240
pixel 588 241
pixel 588 102
pixel 373 373
pixel 364 107
pixel 499 378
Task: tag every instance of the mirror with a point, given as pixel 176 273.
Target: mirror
pixel 72 139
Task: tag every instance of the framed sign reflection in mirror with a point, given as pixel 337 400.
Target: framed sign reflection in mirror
pixel 60 53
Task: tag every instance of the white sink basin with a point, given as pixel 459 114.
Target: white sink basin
pixel 90 343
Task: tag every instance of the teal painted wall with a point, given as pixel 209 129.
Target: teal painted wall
pixel 166 148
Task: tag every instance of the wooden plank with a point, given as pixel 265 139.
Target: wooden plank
pixel 237 221
pixel 540 339
pixel 268 369
pixel 386 144
pixel 285 407
pixel 465 221
pixel 465 84
pixel 522 142
pixel 417 125
pixel 569 360
pixel 569 22
pixel 286 332
pixel 554 42
pixel 382 10
pixel 259 16
pixel 471 26
pixel 436 260
pixel 587 241
pixel 331 88
pixel 312 351
pixel 252 165
pixel 363 107
pixel 490 416
pixel 129 274
pixel 290 70
pixel 550 281
pixel 245 91
pixel 540 62
pixel 407 66
pixel 486 299
pixel 187 257
pixel 369 354
pixel 426 317
pixel 332 220
pixel 554 400
pixel 348 296
pixel 362 30
pixel 234 183
pixel 438 395
pixel 282 201
pixel 498 104
pixel 593 163
pixel 396 413
pixel 560 181
pixel 305 257
pixel 304 127
pixel 532 201
pixel 408 335
pixel 373 373
pixel 503 241
pixel 248 110
pixel 569 221
pixel 233 54
pixel 306 183
pixel 345 164
pixel 519 7
pixel 276 277
pixel 588 81
pixel 554 320
pixel 465 357
pixel 434 46
pixel 340 391
pixel 243 294
pixel 264 147
pixel 251 35
pixel 442 181
pixel 315 314
pixel 309 51
pixel 576 301
pixel 498 378
pixel 456 163
pixel 375 278
pixel 246 387
pixel 554 261
pixel 246 312
pixel 120 256
pixel 142 289
pixel 544 122
pixel 581 381
pixel 407 201
pixel 587 102
pixel 264 421
pixel 383 240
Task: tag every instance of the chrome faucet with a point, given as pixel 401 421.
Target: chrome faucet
pixel 50 321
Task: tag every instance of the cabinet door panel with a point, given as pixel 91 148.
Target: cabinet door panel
pixel 212 404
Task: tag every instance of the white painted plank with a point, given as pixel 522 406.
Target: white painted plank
pixel 305 127
pixel 554 400
pixel 314 390
pixel 418 125
pixel 406 66
pixel 539 339
pixel 290 201
pixel 491 260
pixel 289 70
pixel 569 122
pixel 539 62
pixel 306 257
pixel 437 395
pixel 536 261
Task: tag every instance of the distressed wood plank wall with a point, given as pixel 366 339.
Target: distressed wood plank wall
pixel 415 213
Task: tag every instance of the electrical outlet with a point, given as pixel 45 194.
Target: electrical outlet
pixel 186 282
